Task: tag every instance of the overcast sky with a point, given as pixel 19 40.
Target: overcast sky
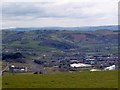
pixel 37 13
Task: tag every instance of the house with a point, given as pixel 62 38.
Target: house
pixel 74 61
pixel 13 68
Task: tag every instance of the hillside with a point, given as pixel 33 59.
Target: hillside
pixel 84 28
pixel 39 42
pixel 98 79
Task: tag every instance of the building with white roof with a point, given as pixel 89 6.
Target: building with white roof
pixel 80 65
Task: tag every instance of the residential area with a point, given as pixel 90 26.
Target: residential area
pixel 66 64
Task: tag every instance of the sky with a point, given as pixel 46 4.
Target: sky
pixel 52 13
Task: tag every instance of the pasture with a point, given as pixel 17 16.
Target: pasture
pixel 98 79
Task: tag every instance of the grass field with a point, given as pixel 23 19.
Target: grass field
pixel 99 79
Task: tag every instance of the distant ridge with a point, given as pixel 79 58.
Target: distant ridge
pixel 85 28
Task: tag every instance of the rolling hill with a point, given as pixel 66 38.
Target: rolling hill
pixel 38 42
pixel 84 28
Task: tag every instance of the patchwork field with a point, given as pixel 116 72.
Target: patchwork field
pixel 100 79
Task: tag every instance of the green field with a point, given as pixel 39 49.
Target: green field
pixel 99 79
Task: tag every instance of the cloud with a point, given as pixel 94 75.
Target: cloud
pixel 60 13
pixel 39 10
pixel 17 10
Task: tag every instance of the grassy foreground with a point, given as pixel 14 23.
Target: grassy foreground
pixel 100 79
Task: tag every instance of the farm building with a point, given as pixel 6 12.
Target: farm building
pixel 80 65
pixel 95 70
pixel 13 68
pixel 110 68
